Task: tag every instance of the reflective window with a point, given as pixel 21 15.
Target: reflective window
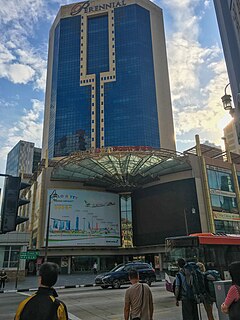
pixel 9 256
pixel 232 227
pixel 126 221
pixel 222 186
pixel 130 102
pixel 130 116
pixel 70 112
pixel 220 180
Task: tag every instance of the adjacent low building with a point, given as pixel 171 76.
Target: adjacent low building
pixel 23 159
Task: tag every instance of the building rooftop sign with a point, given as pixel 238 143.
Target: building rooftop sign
pixel 85 7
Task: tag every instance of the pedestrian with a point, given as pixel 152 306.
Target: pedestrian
pixel 95 266
pixel 231 305
pixel 184 292
pixel 3 278
pixel 43 305
pixel 138 299
pixel 207 302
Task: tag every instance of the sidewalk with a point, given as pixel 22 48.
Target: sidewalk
pixel 64 280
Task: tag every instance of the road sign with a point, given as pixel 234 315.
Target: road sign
pixel 29 255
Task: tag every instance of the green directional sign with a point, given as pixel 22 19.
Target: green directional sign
pixel 29 255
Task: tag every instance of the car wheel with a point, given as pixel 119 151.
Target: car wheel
pixel 116 284
pixel 148 281
pixel 104 287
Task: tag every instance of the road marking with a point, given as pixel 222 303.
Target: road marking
pixel 24 294
pixel 71 316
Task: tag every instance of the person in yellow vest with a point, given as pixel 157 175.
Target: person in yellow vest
pixel 43 305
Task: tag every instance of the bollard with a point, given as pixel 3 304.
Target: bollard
pixel 221 290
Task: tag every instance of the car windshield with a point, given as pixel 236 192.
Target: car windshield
pixel 117 268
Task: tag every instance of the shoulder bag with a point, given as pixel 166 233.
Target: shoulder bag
pixel 139 318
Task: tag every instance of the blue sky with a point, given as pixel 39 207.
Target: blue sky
pixel 196 66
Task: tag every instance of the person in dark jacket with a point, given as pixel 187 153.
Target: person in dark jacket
pixel 3 278
pixel 43 305
pixel 182 292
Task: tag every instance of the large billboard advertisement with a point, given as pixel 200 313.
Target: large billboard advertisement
pixel 83 218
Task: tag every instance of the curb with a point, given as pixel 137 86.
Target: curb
pixel 58 288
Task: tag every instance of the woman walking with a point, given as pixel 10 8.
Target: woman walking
pixel 231 304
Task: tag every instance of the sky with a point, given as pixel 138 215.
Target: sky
pixel 196 67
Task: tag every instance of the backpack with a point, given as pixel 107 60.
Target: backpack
pixel 209 277
pixel 180 286
pixel 194 282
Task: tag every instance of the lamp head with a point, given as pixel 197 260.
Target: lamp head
pixel 227 102
pixel 54 195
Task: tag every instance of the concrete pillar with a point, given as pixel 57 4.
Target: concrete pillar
pixel 98 263
pixel 69 264
pixel 160 262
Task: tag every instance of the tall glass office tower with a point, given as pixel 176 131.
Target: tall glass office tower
pixel 107 81
pixel 228 16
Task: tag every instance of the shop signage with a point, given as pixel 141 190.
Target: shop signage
pixel 29 255
pixel 226 216
pixel 85 7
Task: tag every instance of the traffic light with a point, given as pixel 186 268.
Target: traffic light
pixel 11 202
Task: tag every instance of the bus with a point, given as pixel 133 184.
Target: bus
pixel 216 251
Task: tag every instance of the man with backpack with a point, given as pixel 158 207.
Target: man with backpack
pixel 43 305
pixel 185 290
pixel 210 297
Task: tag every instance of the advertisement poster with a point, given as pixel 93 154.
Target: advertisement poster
pixel 83 218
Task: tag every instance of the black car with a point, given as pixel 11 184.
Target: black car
pixel 119 275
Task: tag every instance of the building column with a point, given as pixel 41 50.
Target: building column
pixel 205 186
pixel 99 263
pixel 234 173
pixel 69 264
pixel 160 262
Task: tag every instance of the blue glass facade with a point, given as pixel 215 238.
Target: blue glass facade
pixel 97 58
pixel 130 106
pixel 71 103
pixel 131 117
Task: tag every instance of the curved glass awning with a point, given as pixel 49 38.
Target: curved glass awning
pixel 119 168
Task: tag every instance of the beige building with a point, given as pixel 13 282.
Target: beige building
pixel 231 137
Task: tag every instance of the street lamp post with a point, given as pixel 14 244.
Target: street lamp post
pixel 53 195
pixel 193 210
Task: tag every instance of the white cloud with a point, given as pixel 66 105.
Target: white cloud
pixel 206 3
pixel 197 75
pixel 17 73
pixel 20 61
pixel 29 126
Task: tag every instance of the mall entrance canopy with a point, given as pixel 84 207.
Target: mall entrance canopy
pixel 120 169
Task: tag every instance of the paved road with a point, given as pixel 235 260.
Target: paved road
pixel 94 303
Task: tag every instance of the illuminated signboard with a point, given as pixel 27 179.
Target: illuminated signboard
pixel 84 218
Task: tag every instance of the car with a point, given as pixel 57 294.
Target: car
pixel 119 275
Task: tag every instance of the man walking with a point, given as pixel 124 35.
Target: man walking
pixel 184 292
pixel 43 305
pixel 138 299
pixel 3 278
pixel 95 266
